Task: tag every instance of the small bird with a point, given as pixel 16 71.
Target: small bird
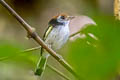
pixel 55 37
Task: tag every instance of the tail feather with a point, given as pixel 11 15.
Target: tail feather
pixel 41 64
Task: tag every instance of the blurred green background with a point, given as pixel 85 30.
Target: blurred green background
pixel 93 59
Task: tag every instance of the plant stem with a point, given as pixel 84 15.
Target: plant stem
pixel 58 72
pixel 32 49
pixel 32 34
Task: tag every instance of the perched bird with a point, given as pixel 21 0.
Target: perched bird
pixel 55 37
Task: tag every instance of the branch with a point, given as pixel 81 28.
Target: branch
pixel 38 47
pixel 32 34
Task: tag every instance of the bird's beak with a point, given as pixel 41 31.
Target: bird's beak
pixel 70 17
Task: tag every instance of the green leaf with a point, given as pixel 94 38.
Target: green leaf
pixel 99 59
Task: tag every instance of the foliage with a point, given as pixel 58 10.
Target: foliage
pixel 97 59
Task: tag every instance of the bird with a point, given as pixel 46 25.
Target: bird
pixel 55 36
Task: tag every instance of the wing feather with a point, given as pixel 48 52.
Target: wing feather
pixel 48 30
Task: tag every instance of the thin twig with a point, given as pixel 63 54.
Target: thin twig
pixel 32 49
pixel 34 35
pixel 58 72
pixel 74 34
pixel 19 53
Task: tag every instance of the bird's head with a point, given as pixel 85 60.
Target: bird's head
pixel 61 19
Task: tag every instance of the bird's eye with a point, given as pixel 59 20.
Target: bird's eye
pixel 62 17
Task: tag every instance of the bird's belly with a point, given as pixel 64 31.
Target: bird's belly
pixel 57 38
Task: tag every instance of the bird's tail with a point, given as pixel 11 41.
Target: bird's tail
pixel 41 64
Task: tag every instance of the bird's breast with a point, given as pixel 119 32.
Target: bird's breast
pixel 57 37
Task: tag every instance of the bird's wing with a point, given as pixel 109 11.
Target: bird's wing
pixel 42 62
pixel 48 30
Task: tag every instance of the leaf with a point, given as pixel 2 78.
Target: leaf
pixel 100 62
